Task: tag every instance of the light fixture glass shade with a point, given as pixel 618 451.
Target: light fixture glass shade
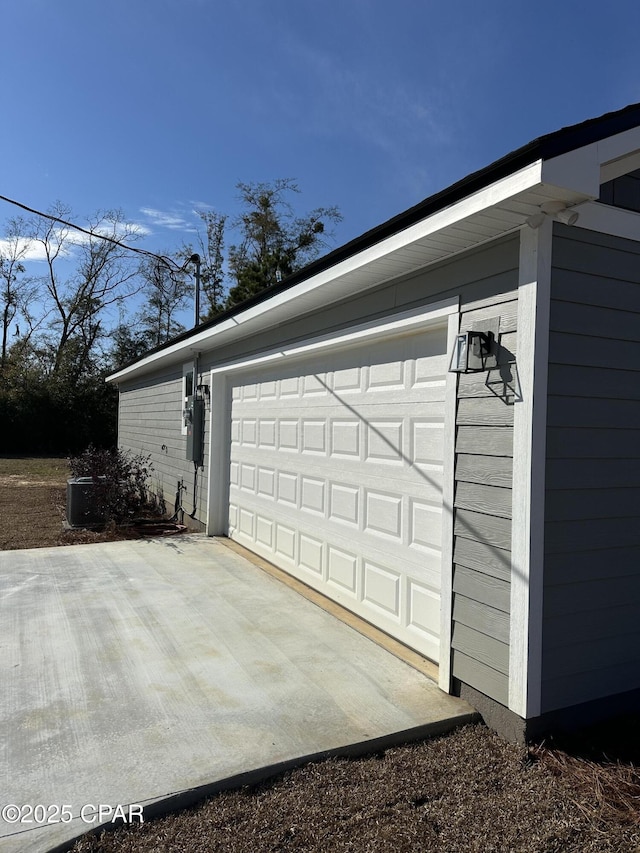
pixel 471 351
pixel 460 355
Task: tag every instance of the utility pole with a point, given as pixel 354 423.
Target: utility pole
pixel 195 259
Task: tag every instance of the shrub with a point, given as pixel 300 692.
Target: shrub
pixel 120 481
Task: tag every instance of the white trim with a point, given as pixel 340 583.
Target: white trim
pixel 607 219
pixel 219 447
pixel 187 368
pixel 448 492
pixel 529 448
pixel 613 152
pixel 577 170
pixel 584 169
pixel 402 323
pixel 622 166
pixel 306 292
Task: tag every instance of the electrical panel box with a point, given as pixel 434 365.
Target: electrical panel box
pixel 194 420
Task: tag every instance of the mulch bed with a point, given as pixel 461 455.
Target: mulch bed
pixel 468 791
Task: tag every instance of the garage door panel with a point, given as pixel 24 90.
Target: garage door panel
pixel 421 563
pixel 373 587
pixel 424 480
pixel 360 402
pixel 342 569
pixel 336 476
pixel 379 505
pixel 393 424
pixel 311 552
pixel 265 531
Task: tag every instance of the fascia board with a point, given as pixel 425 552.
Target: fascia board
pixel 620 166
pixel 616 153
pixel 577 171
pixel 261 315
pixel 584 169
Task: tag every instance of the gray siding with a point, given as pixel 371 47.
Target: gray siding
pixel 591 633
pixel 150 421
pixel 483 483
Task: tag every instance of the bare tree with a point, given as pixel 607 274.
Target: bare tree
pixel 103 274
pixel 166 293
pixel 211 247
pixel 13 282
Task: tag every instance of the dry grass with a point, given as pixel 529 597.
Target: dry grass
pixel 34 469
pixel 33 507
pixel 613 789
pixel 468 791
pixel 32 502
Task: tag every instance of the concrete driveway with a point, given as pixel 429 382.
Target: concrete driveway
pixel 152 672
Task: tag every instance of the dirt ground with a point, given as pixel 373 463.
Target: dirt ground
pixel 467 791
pixel 33 494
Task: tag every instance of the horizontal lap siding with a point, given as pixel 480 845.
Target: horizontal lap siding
pixel 483 501
pixel 591 635
pixel 150 422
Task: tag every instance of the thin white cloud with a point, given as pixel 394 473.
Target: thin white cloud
pixel 29 250
pixel 172 220
pixel 348 99
pixel 200 205
pixel 408 122
pixel 64 240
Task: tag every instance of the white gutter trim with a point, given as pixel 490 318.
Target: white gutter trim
pixel 487 197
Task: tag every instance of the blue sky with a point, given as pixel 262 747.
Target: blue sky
pixel 159 106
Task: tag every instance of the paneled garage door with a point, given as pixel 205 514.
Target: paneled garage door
pixel 336 477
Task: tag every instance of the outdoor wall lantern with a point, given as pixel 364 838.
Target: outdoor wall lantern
pixel 473 351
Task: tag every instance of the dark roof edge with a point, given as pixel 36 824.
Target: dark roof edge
pixel 543 148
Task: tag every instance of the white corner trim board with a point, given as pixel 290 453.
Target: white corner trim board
pixel 529 446
pixel 448 495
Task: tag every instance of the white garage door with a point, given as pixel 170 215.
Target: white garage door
pixel 336 477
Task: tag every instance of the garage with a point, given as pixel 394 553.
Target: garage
pixel 336 476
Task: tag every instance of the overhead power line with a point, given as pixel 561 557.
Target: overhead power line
pixel 172 265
